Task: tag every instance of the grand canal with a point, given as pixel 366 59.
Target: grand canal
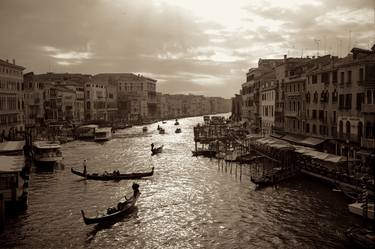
pixel 189 202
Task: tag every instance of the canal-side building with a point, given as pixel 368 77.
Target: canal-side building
pixel 356 112
pixel 136 95
pixel 250 91
pixel 34 97
pixel 267 102
pixel 95 101
pixel 281 74
pixel 236 108
pixel 11 98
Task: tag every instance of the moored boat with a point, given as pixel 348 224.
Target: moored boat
pixel 178 130
pixel 361 237
pixel 86 131
pixel 113 176
pixel 47 152
pixel 121 209
pixel 161 131
pixel 357 208
pixel 103 134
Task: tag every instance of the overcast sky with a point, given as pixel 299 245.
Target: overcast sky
pixel 189 46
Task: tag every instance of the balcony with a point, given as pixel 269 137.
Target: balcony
pixel 368 108
pixel 368 143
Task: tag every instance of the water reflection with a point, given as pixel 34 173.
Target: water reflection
pixel 189 202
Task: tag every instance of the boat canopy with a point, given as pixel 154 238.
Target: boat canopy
pixel 46 145
pixel 11 164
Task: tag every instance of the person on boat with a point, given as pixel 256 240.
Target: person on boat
pixel 158 127
pixel 135 188
pixel 152 146
pixel 84 167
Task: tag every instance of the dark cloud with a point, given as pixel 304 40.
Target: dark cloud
pixel 171 43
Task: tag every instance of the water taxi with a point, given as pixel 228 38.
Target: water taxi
pixel 86 131
pixel 103 134
pixel 47 152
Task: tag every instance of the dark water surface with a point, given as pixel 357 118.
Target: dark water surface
pixel 189 202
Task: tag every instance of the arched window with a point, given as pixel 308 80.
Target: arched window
pixel 347 129
pixel 314 129
pixel 368 130
pixel 341 128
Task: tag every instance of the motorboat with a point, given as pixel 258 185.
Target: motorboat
pixel 103 134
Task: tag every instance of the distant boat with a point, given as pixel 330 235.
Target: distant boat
pixel 357 208
pixel 103 134
pixel 176 123
pixel 361 237
pixel 178 130
pixel 144 129
pixel 164 122
pixel 121 209
pixel 161 131
pixel 112 176
pixel 157 150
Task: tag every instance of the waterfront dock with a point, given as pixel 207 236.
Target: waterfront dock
pixel 273 160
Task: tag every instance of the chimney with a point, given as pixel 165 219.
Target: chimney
pixel 14 62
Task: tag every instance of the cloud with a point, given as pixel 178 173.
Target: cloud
pixel 201 46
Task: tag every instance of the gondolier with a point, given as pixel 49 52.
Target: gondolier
pixel 85 167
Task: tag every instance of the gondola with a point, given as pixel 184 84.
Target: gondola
pixel 156 150
pixel 111 176
pixel 262 182
pixel 121 209
pixel 164 122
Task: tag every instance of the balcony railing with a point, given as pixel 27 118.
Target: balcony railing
pixel 368 143
pixel 368 108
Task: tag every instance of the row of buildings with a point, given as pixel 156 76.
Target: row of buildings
pixel 47 99
pixel 323 102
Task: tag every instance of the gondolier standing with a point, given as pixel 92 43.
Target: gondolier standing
pixel 84 167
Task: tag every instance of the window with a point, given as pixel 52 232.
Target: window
pixel 321 115
pixel 314 129
pixel 361 74
pixel 347 129
pixel 342 80
pixel 314 79
pixel 334 77
pixel 349 77
pixel 359 101
pixel 307 128
pixel 341 101
pixel 348 101
pixel 334 116
pixel 325 78
pixel 314 114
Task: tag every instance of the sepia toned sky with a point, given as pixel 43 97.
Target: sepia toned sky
pixel 189 46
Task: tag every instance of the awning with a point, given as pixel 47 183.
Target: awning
pixel 312 141
pixel 293 139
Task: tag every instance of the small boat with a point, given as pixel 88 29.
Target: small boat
pixel 262 182
pixel 176 123
pixel 159 128
pixel 361 237
pixel 144 129
pixel 357 208
pixel 164 122
pixel 178 130
pixel 121 209
pixel 103 134
pixel 161 131
pixel 113 176
pixel 156 150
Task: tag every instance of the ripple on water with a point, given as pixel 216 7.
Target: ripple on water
pixel 189 202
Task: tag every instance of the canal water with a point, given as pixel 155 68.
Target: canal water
pixel 189 202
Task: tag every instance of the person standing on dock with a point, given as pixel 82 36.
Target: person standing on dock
pixel 84 167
